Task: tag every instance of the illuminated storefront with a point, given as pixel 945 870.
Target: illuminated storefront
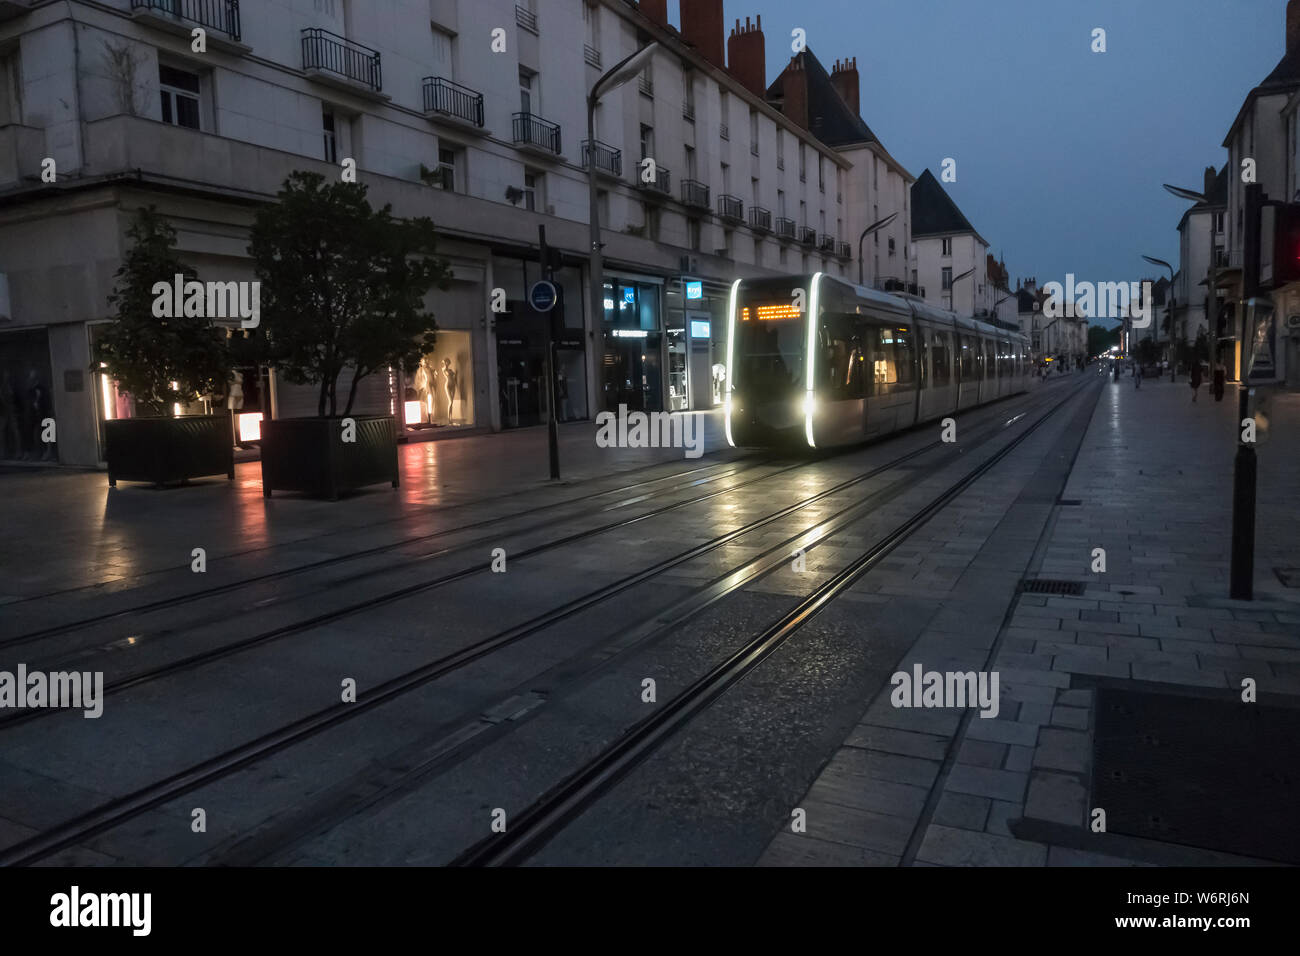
pixel 632 365
pixel 695 317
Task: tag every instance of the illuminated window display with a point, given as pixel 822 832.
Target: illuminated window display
pixel 440 394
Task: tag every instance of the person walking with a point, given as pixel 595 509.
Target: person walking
pixel 1137 375
pixel 1220 373
pixel 1196 380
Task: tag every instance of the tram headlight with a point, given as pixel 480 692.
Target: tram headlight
pixel 809 404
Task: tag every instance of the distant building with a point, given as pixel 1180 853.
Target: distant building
pixel 946 246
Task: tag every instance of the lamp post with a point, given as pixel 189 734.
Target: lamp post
pixel 1169 306
pixel 613 78
pixel 875 227
pixel 952 287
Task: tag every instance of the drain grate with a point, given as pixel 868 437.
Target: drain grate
pixel 1290 577
pixel 1069 502
pixel 1215 774
pixel 1050 586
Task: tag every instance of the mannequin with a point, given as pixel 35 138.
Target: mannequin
pixel 449 382
pixel 424 388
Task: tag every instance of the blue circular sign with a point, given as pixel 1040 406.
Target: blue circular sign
pixel 542 296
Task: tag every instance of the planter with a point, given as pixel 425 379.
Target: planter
pixel 169 449
pixel 310 455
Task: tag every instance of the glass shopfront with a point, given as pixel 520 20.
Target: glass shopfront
pixel 440 394
pixel 695 315
pixel 632 368
pixel 25 396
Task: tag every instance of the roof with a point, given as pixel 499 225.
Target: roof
pixel 933 211
pixel 1217 198
pixel 1284 79
pixel 830 119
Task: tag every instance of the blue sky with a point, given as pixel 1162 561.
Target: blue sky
pixel 1060 151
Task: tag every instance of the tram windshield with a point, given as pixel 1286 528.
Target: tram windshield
pixel 769 348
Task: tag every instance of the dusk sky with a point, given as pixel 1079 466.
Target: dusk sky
pixel 1060 151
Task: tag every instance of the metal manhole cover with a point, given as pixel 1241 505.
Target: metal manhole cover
pixel 1290 577
pixel 1215 774
pixel 1050 586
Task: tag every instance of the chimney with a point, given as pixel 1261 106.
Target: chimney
pixel 1210 176
pixel 656 10
pixel 702 27
pixel 844 77
pixel 746 56
pixel 1292 25
pixel 794 82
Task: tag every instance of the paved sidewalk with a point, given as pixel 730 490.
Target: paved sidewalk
pixel 1151 485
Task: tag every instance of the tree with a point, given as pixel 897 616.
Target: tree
pixel 144 354
pixel 343 285
pixel 1100 340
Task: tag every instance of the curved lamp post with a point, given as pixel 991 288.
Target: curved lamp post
pixel 1169 307
pixel 876 227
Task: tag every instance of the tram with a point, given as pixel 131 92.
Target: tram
pixel 815 361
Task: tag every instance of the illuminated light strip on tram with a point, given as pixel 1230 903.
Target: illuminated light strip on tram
pixel 810 395
pixel 731 376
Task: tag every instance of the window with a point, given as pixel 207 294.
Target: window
pixel 11 88
pixel 725 110
pixel 726 178
pixel 845 361
pixel 875 217
pixel 647 141
pixel 821 173
pixel 331 136
pixel 875 172
pixel 803 163
pixel 780 203
pixel 891 245
pixel 442 58
pixel 532 190
pixel 780 148
pixel 690 162
pixel 693 234
pixel 940 348
pixel 891 358
pixel 758 252
pixel 179 91
pixel 753 190
pixel 945 249
pixel 526 93
pixel 753 132
pixel 650 216
pixel 726 243
pixel 966 358
pixel 445 175
pixel 947 279
pixel 688 96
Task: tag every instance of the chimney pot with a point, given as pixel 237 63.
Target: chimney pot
pixel 747 57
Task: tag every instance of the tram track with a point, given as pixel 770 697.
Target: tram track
pixel 116 812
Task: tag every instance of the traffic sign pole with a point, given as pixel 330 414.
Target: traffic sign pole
pixel 547 291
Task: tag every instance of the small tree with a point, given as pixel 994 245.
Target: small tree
pixel 146 354
pixel 342 285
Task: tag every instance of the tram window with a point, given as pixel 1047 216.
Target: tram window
pixel 990 370
pixel 845 359
pixel 939 359
pixel 769 354
pixel 905 343
pixel 967 359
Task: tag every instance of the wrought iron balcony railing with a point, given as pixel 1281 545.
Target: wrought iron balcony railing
pixel 608 159
pixel 760 218
pixel 451 99
pixel 808 236
pixel 219 15
pixel 695 193
pixel 526 19
pixel 826 243
pixel 331 53
pixel 731 207
pixel 660 185
pixel 844 250
pixel 785 228
pixel 531 130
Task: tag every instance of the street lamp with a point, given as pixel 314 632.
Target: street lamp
pixel 875 227
pixel 613 78
pixel 952 287
pixel 1169 306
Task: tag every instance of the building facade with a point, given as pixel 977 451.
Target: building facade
pixel 469 111
pixel 949 258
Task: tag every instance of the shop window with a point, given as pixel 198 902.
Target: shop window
pixel 441 392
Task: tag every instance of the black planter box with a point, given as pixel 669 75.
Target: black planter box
pixel 310 455
pixel 169 449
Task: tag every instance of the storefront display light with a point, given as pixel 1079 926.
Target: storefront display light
pixel 250 426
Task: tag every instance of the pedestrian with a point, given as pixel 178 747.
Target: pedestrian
pixel 1220 373
pixel 1137 375
pixel 1196 380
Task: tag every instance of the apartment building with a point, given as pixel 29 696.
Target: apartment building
pixel 472 112
pixel 950 259
pixel 1201 240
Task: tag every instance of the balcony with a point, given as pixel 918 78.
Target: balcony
pixel 688 112
pixel 591 55
pixel 731 207
pixel 536 135
pixel 526 19
pixel 458 105
pixel 695 193
pixel 826 243
pixel 843 250
pixel 808 236
pixel 337 61
pixel 785 228
pixel 724 131
pixel 646 86
pixel 660 187
pixel 760 219
pixel 219 19
pixel 609 161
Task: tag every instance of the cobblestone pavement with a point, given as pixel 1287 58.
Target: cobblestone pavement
pixel 1152 486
